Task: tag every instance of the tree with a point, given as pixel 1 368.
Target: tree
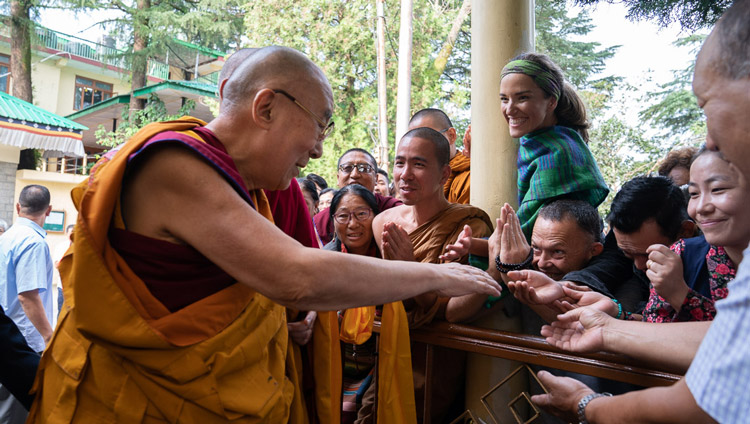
pixel 20 63
pixel 148 27
pixel 579 60
pixel 690 14
pixel 676 111
pixel 340 36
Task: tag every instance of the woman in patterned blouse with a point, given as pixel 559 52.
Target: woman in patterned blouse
pixel 685 284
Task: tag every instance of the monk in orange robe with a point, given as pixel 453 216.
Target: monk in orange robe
pixel 178 280
pixel 457 186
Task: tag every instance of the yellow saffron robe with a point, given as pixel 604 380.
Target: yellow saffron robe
pixel 118 355
pixel 458 186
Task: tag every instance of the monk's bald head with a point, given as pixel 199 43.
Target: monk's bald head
pixel 234 61
pixel 270 67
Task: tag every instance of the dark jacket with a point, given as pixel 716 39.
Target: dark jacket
pixel 18 362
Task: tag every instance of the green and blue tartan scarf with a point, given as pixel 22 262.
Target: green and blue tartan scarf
pixel 555 163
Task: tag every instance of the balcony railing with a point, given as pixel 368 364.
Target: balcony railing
pixel 80 47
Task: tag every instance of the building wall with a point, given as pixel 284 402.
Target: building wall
pixel 67 85
pixel 8 164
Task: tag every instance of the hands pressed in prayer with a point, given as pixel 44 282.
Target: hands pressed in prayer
pixel 460 248
pixel 509 238
pixel 563 397
pixel 467 142
pixel 664 270
pixel 301 331
pixel 580 330
pixel 396 243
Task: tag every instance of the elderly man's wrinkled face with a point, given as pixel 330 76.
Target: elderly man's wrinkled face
pixel 726 104
pixel 561 247
pixel 357 168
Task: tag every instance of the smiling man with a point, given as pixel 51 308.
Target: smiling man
pixel 178 279
pixel 355 166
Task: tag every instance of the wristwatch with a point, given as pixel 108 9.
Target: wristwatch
pixel 585 401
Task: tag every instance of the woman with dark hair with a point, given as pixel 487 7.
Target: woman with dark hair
pixel 549 118
pixel 310 193
pixel 370 366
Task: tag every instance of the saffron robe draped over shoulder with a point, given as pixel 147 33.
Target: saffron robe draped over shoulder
pixel 429 241
pixel 457 188
pixel 555 163
pixel 119 355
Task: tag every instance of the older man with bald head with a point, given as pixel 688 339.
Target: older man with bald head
pixel 178 278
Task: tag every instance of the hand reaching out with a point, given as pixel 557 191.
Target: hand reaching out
pixel 396 243
pixel 563 397
pixel 460 248
pixel 580 330
pixel 664 269
pixel 576 298
pixel 534 287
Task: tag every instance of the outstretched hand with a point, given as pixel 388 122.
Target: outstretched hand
pixel 534 287
pixel 464 279
pixel 396 243
pixel 580 330
pixel 301 331
pixel 577 298
pixel 460 248
pixel 563 397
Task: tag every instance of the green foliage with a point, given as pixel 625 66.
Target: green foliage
pixel 676 110
pixel 155 111
pixel 555 31
pixel 339 35
pixel 690 14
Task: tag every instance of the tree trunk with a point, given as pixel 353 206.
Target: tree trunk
pixel 140 60
pixel 20 63
pixel 445 52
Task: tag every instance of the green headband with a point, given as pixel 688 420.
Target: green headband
pixel 544 78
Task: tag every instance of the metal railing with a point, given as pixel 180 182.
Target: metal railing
pixel 86 49
pixel 69 165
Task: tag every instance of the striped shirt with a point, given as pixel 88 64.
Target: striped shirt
pixel 720 371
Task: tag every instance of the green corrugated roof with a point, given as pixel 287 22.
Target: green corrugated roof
pixel 204 50
pixel 188 86
pixel 15 108
pixel 123 98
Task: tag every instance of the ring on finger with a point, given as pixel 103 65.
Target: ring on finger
pixel 649 263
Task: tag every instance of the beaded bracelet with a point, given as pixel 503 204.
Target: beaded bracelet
pixel 506 268
pixel 619 308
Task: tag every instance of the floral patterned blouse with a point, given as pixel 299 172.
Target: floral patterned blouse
pixel 695 307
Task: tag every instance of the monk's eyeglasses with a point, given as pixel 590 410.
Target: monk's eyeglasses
pixel 363 168
pixel 327 127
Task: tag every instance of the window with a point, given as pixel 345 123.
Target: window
pixel 90 92
pixel 5 73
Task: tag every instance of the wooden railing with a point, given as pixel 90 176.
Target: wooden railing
pixel 534 350
pixel 531 350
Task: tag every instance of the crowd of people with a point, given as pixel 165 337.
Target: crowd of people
pixel 207 281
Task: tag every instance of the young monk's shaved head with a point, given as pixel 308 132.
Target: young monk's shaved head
pixel 270 67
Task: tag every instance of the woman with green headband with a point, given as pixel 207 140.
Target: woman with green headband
pixel 549 118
